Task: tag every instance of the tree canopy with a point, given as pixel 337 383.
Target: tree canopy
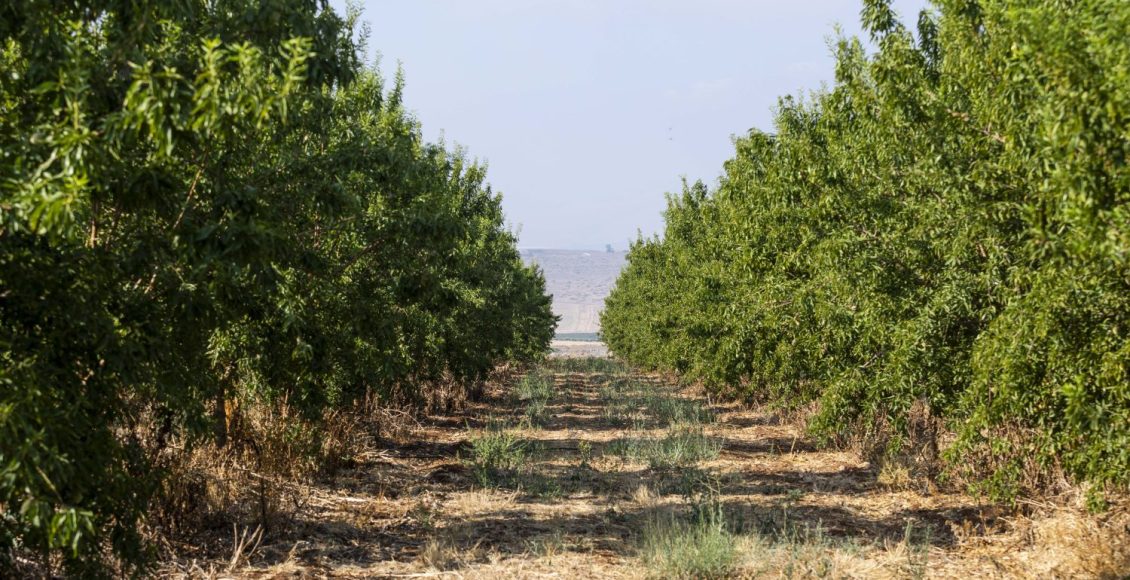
pixel 203 201
pixel 943 231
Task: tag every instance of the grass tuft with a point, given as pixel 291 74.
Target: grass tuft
pixel 496 454
pixel 536 391
pixel 677 411
pixel 681 447
pixel 586 365
pixel 533 386
pixel 501 459
pixel 700 548
pixel 641 404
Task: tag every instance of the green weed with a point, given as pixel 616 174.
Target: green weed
pixel 586 365
pixel 547 546
pixel 502 459
pixel 536 391
pixel 495 455
pixel 642 404
pixel 584 449
pixel 535 385
pixel 700 548
pixel 680 447
pixel 674 410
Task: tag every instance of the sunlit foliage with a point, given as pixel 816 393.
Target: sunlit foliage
pixel 205 201
pixel 945 227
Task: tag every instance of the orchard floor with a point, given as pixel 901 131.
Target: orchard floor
pixel 578 500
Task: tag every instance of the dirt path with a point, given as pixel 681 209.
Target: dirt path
pixel 606 474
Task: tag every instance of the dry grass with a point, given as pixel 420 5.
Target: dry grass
pixel 263 480
pixel 643 496
pixel 571 507
pixel 1064 542
pixel 479 501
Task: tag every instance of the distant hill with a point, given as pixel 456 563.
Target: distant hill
pixel 579 282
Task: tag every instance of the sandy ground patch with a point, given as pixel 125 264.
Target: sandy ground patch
pixel 578 349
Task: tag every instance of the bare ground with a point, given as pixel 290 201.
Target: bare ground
pixel 415 508
pixel 579 349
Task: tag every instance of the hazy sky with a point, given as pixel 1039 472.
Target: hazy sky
pixel 588 111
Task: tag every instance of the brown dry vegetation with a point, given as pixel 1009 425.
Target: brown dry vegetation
pixel 577 498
